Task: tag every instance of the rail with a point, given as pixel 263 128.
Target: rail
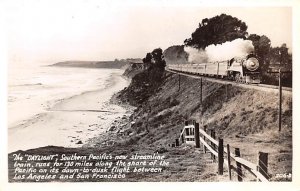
pixel 287 89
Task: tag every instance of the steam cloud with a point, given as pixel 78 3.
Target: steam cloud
pixel 195 55
pixel 220 52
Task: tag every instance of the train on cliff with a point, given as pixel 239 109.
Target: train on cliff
pixel 242 70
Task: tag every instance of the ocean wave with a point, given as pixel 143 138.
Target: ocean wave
pixel 35 84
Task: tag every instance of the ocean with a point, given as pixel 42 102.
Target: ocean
pixel 33 91
pixel 36 88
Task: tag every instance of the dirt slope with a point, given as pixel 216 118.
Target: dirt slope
pixel 245 118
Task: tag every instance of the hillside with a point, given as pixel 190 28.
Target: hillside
pixel 246 118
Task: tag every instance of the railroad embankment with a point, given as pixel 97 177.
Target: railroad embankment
pixel 245 118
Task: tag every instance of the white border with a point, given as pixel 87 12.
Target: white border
pixel 295 185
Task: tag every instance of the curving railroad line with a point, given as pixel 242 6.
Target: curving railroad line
pixel 262 87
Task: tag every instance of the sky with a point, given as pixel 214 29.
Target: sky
pixel 53 31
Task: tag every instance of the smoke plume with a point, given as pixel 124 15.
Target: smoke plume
pixel 220 52
pixel 196 55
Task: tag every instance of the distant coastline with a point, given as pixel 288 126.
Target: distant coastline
pixel 116 64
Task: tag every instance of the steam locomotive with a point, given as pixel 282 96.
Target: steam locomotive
pixel 242 70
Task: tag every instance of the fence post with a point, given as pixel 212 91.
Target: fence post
pixel 187 131
pixel 229 161
pixel 186 123
pixel 177 142
pixel 204 140
pixel 193 130
pixel 220 157
pixel 213 135
pixel 238 165
pixel 182 138
pixel 262 166
pixel 197 140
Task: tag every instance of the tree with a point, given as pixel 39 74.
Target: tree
pixel 148 58
pixel 255 41
pixel 272 56
pixel 175 54
pixel 280 55
pixel 158 58
pixel 262 45
pixel 217 30
pixel 284 56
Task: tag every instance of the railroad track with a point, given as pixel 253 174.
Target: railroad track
pixel 263 87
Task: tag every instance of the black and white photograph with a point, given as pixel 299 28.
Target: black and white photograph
pixel 137 91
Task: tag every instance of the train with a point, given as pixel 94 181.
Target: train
pixel 241 70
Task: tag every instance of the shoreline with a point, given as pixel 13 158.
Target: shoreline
pixel 119 125
pixel 116 128
pixel 72 121
pixel 45 94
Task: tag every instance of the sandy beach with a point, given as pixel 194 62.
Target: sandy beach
pixel 72 121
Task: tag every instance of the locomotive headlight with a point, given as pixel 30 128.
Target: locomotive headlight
pixel 252 64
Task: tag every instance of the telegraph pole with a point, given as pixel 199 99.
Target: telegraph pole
pixel 178 82
pixel 201 102
pixel 178 79
pixel 280 100
pixel 280 72
pixel 201 91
